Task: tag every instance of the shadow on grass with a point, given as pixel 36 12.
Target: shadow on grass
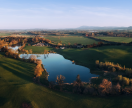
pixel 2 101
pixel 21 67
pixel 18 74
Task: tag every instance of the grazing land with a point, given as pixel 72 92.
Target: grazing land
pixel 38 49
pixel 116 39
pixel 5 34
pixel 20 86
pixel 88 56
pixel 72 40
pixel 17 87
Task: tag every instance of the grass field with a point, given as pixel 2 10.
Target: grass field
pixel 72 39
pixel 117 39
pixel 16 87
pixel 38 49
pixel 87 57
pixel 5 34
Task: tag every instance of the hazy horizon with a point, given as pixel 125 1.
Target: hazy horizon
pixel 39 14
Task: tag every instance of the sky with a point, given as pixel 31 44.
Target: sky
pixel 61 14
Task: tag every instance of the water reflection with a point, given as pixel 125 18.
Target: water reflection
pixel 56 64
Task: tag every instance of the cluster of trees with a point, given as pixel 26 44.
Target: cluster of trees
pixel 15 40
pixel 78 85
pixel 60 81
pixel 12 53
pixel 129 72
pixel 94 45
pixel 103 89
pixel 37 39
pixel 38 69
pixel 124 80
pixel 115 34
pixel 109 66
pixel 33 58
pixel 3 43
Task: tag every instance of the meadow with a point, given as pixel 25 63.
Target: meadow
pixel 72 40
pixel 17 87
pixel 5 34
pixel 116 39
pixel 88 56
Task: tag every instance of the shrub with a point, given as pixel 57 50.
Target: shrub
pixel 90 90
pixel 113 69
pixel 97 62
pixel 119 77
pixel 130 81
pixel 33 58
pixel 125 80
pixel 118 87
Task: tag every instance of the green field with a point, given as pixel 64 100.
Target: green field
pixel 16 87
pixel 116 39
pixel 38 49
pixel 72 39
pixel 5 34
pixel 87 57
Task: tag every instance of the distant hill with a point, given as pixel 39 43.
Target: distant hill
pixel 103 28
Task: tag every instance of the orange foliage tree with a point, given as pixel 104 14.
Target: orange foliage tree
pixel 38 70
pixel 105 87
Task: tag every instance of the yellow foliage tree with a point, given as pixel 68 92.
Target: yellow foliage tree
pixel 38 70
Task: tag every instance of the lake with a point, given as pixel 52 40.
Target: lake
pixel 14 47
pixel 56 64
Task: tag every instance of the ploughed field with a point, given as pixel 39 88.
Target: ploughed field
pixel 116 39
pixel 72 40
pixel 17 88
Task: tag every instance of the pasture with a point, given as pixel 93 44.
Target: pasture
pixel 17 87
pixel 87 56
pixel 116 39
pixel 5 34
pixel 72 40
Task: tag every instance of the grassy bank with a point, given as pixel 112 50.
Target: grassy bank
pixel 16 87
pixel 116 39
pixel 5 34
pixel 37 49
pixel 87 57
pixel 72 39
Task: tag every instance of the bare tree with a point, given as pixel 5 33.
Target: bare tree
pixel 60 81
pixel 77 85
pixel 33 58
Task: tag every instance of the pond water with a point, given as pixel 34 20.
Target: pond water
pixel 56 64
pixel 14 47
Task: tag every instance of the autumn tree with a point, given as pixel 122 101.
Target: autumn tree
pixel 60 42
pixel 77 85
pixel 33 58
pixel 45 51
pixel 105 87
pixel 30 51
pixel 60 80
pixel 38 69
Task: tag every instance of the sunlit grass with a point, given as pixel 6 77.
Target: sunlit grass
pixel 72 40
pixel 17 86
pixel 116 39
